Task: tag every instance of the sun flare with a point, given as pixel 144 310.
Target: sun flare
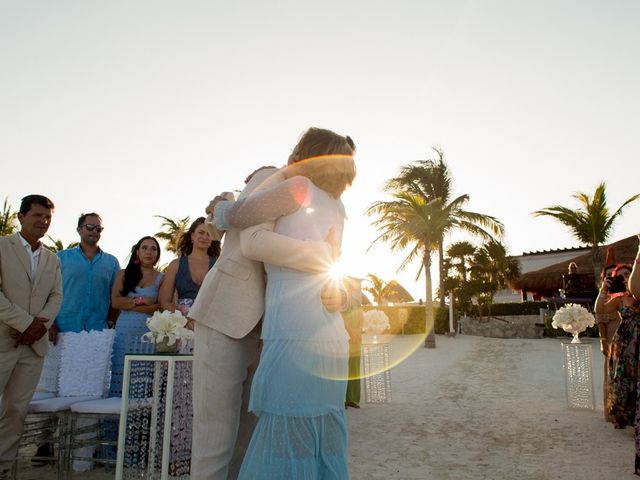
pixel 336 271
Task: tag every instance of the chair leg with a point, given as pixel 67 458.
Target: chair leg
pixel 63 447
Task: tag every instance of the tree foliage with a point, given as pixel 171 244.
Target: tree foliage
pixel 171 230
pixel 591 223
pixel 421 213
pixel 8 219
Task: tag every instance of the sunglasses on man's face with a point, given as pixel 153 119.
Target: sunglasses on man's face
pixel 91 227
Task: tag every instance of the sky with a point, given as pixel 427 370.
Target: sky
pixel 142 108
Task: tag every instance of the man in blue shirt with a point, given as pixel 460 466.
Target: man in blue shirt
pixel 87 277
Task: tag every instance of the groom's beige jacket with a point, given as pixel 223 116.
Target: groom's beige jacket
pixel 231 298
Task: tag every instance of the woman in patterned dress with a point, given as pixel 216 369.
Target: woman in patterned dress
pixel 622 401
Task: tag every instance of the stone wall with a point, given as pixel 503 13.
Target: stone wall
pixel 513 326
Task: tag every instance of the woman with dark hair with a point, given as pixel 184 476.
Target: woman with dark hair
pixel 184 275
pixel 135 294
pixel 622 402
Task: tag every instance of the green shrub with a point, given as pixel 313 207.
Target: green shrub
pixel 415 323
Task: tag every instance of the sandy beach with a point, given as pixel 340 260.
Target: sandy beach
pixel 486 408
pixel 477 408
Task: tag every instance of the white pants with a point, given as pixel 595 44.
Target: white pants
pixel 223 368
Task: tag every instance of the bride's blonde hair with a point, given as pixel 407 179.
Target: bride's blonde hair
pixel 325 158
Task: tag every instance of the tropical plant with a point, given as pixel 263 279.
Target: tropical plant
pixel 431 179
pixel 171 230
pixel 494 267
pixel 8 219
pixel 591 223
pixel 420 216
pixel 458 262
pixel 410 222
pixel 460 255
pixel 376 288
pixel 58 246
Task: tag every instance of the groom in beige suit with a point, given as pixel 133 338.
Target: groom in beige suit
pixel 30 297
pixel 227 312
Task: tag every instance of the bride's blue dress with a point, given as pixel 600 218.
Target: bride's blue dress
pixel 298 390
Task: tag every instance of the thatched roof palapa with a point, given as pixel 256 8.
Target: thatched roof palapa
pixel 547 281
pixel 396 293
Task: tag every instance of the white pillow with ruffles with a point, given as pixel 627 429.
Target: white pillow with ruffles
pixel 84 362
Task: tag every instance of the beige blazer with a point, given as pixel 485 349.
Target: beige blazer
pixel 22 299
pixel 231 298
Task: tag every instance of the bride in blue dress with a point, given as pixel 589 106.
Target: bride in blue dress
pixel 299 387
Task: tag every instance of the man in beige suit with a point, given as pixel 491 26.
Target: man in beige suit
pixel 227 312
pixel 30 297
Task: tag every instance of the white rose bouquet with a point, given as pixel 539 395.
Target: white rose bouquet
pixel 375 322
pixel 166 328
pixel 573 318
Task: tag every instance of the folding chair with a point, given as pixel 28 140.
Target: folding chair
pixel 90 422
pixel 81 362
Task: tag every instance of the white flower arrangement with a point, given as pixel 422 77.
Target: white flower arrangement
pixel 169 325
pixel 375 322
pixel 573 318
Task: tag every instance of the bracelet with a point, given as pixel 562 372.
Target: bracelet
pixel 139 301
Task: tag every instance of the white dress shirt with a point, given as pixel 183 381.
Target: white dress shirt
pixel 34 256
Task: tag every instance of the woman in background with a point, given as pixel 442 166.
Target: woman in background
pixel 135 294
pixel 184 275
pixel 623 351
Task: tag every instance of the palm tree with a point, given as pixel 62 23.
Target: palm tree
pixel 422 215
pixel 431 179
pixel 409 221
pixel 462 252
pixel 58 246
pixel 591 223
pixel 8 219
pixel 458 261
pixel 376 288
pixel 171 230
pixel 494 267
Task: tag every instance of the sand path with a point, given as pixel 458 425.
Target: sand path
pixel 484 408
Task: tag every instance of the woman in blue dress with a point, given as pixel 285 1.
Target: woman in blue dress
pixel 298 390
pixel 135 294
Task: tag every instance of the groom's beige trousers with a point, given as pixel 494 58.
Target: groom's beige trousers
pixel 222 371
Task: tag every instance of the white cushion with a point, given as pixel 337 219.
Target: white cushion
pixel 84 363
pixel 56 404
pixel 41 396
pixel 109 405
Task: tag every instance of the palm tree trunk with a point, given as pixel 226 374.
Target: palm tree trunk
pixel 430 340
pixel 441 272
